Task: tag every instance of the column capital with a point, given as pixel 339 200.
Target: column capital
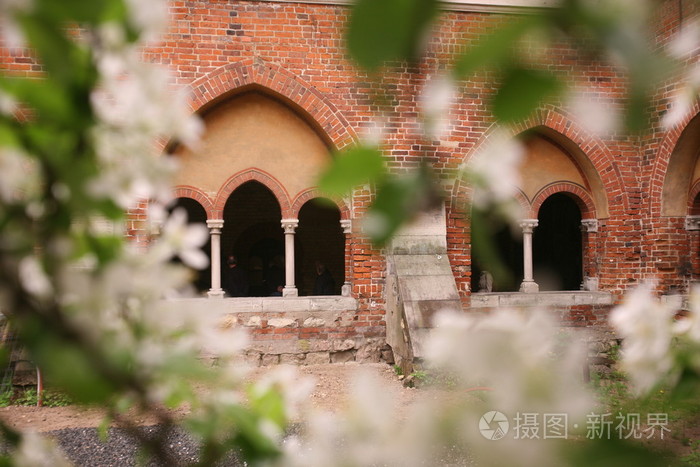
pixel 290 225
pixel 692 223
pixel 589 225
pixel 528 225
pixel 215 224
pixel 346 225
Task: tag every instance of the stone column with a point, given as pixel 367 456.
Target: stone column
pixel 590 266
pixel 529 285
pixel 346 225
pixel 290 227
pixel 215 226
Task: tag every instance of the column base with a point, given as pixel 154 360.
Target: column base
pixel 216 293
pixel 529 287
pixel 346 289
pixel 290 291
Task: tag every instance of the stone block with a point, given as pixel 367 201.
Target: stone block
pixel 281 323
pixel 369 351
pixel 420 265
pixel 292 358
pixel 343 356
pixel 415 288
pixel 312 322
pixel 253 321
pixel 343 345
pixel 484 300
pixel 253 358
pixel 316 358
pixel 270 359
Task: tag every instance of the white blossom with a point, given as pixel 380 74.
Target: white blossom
pixel 594 112
pixel 37 451
pixel 686 41
pixel 435 101
pixel 33 278
pixel 11 31
pixel 19 177
pixel 495 170
pixel 646 326
pixel 183 240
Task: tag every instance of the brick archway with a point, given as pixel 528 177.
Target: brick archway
pixel 277 80
pixel 312 193
pixel 580 196
pixel 257 175
pixel 663 161
pixel 187 191
pixel 594 149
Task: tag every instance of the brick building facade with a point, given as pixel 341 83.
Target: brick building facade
pixel 273 83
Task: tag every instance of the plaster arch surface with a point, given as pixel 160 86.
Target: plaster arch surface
pixel 256 74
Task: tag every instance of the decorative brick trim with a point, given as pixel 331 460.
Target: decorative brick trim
pixel 187 191
pixel 663 159
pixel 248 175
pixel 582 198
pixel 271 77
pixel 312 193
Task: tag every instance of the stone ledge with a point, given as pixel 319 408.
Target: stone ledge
pixel 274 304
pixel 518 299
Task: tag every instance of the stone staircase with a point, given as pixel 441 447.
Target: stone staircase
pixel 419 283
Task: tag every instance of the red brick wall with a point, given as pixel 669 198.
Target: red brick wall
pixel 295 52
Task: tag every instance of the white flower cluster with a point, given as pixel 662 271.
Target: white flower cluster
pixel 495 173
pixel 136 104
pixel 653 337
pixel 515 356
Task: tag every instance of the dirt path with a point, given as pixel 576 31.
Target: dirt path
pixel 330 393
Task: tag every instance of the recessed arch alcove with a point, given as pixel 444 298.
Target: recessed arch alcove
pixel 254 128
pixel 253 234
pixel 320 239
pixel 557 244
pixel 551 158
pixel 683 171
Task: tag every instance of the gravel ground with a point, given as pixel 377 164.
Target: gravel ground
pixel 83 447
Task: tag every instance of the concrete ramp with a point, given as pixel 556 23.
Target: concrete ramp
pixel 419 284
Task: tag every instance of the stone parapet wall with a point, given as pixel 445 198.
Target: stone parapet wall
pixel 300 330
pixel 573 308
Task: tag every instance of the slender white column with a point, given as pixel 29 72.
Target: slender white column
pixel 215 226
pixel 346 225
pixel 529 285
pixel 290 227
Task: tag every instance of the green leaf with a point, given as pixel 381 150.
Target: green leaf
pixel 386 30
pixel 399 199
pixel 270 405
pixel 522 91
pixel 351 168
pixel 495 48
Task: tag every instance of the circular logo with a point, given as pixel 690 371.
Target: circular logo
pixel 493 425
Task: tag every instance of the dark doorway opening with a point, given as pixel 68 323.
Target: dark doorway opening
pixel 557 245
pixel 319 238
pixel 508 247
pixel 253 233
